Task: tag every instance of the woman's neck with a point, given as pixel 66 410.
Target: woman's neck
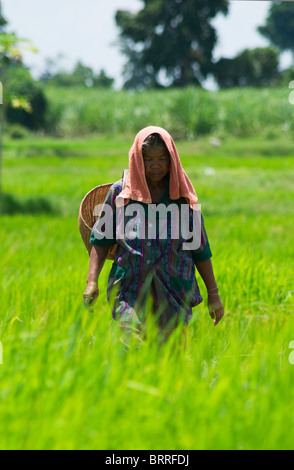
pixel 156 185
pixel 157 190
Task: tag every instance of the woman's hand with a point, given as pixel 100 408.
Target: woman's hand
pixel 91 293
pixel 98 255
pixel 215 307
pixel 214 303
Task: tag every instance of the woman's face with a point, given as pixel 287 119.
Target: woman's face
pixel 157 164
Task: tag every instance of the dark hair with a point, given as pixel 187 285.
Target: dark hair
pixel 153 141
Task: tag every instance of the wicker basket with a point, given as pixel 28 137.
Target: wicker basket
pixel 87 218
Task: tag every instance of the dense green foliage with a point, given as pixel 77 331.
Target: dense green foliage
pixel 189 112
pixel 3 21
pixel 257 67
pixel 21 85
pixel 24 102
pixel 80 76
pixel 279 25
pixel 66 381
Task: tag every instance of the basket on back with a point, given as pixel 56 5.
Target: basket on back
pixel 87 218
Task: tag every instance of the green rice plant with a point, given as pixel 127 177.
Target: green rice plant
pixel 68 382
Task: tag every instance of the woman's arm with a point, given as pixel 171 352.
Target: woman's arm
pixel 97 258
pixel 214 303
pixel 206 272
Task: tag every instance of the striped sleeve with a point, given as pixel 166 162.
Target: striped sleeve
pixel 104 230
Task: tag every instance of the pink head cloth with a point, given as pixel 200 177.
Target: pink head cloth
pixel 136 187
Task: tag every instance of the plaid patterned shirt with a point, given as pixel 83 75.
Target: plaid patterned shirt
pixel 153 265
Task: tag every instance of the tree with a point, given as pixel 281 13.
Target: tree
pixel 255 67
pixel 81 75
pixel 10 52
pixel 279 26
pixel 27 104
pixel 171 37
pixel 3 21
pixel 102 80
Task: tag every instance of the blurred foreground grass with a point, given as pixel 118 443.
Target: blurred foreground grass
pixel 66 381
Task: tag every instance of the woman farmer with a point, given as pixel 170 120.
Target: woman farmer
pixel 155 254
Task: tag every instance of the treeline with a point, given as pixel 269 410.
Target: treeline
pixel 169 47
pixel 78 103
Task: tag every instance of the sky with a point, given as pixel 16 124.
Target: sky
pixel 85 30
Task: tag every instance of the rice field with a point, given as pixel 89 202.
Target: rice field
pixel 67 381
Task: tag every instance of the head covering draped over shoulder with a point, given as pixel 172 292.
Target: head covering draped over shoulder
pixel 136 187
